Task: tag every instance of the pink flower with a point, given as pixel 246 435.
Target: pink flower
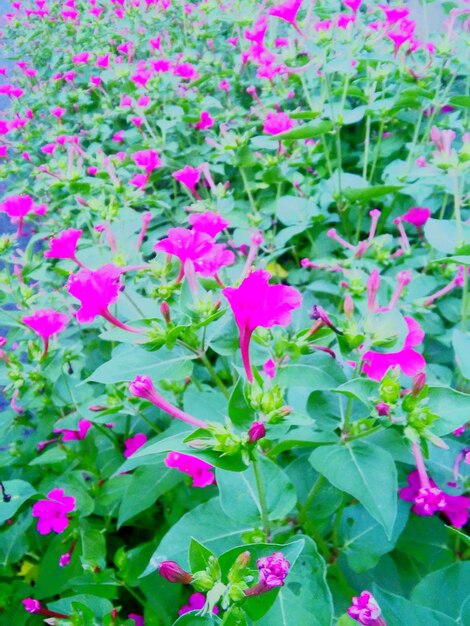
pixel 148 159
pixel 31 606
pixel 75 435
pixel 195 603
pixel 429 499
pixel 64 246
pixel 138 619
pixel 273 570
pixel 410 362
pixel 443 139
pixel 17 208
pixel 58 112
pixel 139 180
pixel 365 610
pixel 189 177
pixel 142 387
pixel 403 31
pixel 257 303
pixel 286 10
pixel 200 471
pixel 196 251
pixel 81 58
pixel 46 322
pixel 394 14
pixel 276 123
pixel 102 61
pixel 269 368
pixel 134 443
pixel 353 4
pixel 418 216
pixel 257 431
pixel 97 290
pixel 52 513
pixel 118 137
pixel 65 559
pixel 209 222
pixel 205 121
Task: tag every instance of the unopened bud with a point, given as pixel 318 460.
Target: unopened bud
pixel 171 571
pixel 257 431
pixel 383 409
pixel 348 306
pixel 165 311
pixel 419 381
pixel 202 581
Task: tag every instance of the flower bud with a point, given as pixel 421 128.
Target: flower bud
pixel 202 581
pixel 390 388
pixel 348 306
pixel 165 311
pixel 171 571
pixel 383 409
pixel 257 431
pixel 419 381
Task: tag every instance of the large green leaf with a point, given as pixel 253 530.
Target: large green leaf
pixel 461 344
pixel 239 497
pixel 447 591
pixel 399 611
pixel 146 486
pixel 208 524
pixel 306 131
pixel 442 235
pixel 452 407
pixel 366 472
pixel 129 361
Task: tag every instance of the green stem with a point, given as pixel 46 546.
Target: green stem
pixel 465 299
pixel 262 499
pixel 349 406
pixel 248 190
pixel 311 496
pixel 366 148
pixel 214 375
pixel 457 213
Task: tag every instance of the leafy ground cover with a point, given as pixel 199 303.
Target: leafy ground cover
pixel 236 307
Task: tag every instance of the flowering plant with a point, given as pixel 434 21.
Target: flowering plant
pixel 234 323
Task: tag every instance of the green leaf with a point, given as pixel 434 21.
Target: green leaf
pixel 399 611
pixel 442 234
pixel 447 591
pixel 368 193
pixel 366 472
pixel 239 496
pixel 305 597
pixel 310 376
pixel 451 406
pixel 301 437
pixel 461 344
pixel 239 411
pixel 19 491
pixel 130 361
pixel 460 101
pixel 306 131
pixel 198 556
pixel 93 546
pixel 361 389
pixel 458 533
pixel 146 486
pixel 208 524
pixel 364 539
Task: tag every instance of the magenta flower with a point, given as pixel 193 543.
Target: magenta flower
pixel 97 290
pixel 196 251
pixel 196 602
pixel 75 435
pixel 31 605
pixel 273 571
pixel 205 121
pixel 209 222
pixel 148 159
pixel 276 123
pixel 410 362
pixel 286 10
pixel 257 431
pixel 365 610
pixel 442 139
pixel 46 322
pixel 138 619
pixel 189 177
pixel 134 443
pixel 200 471
pixel 64 246
pixel 418 216
pixel 257 303
pixel 428 499
pixel 52 513
pixel 18 207
pixel 142 387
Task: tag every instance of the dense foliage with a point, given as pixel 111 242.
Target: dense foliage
pixel 235 309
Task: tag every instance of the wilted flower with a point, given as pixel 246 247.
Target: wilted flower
pixel 365 610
